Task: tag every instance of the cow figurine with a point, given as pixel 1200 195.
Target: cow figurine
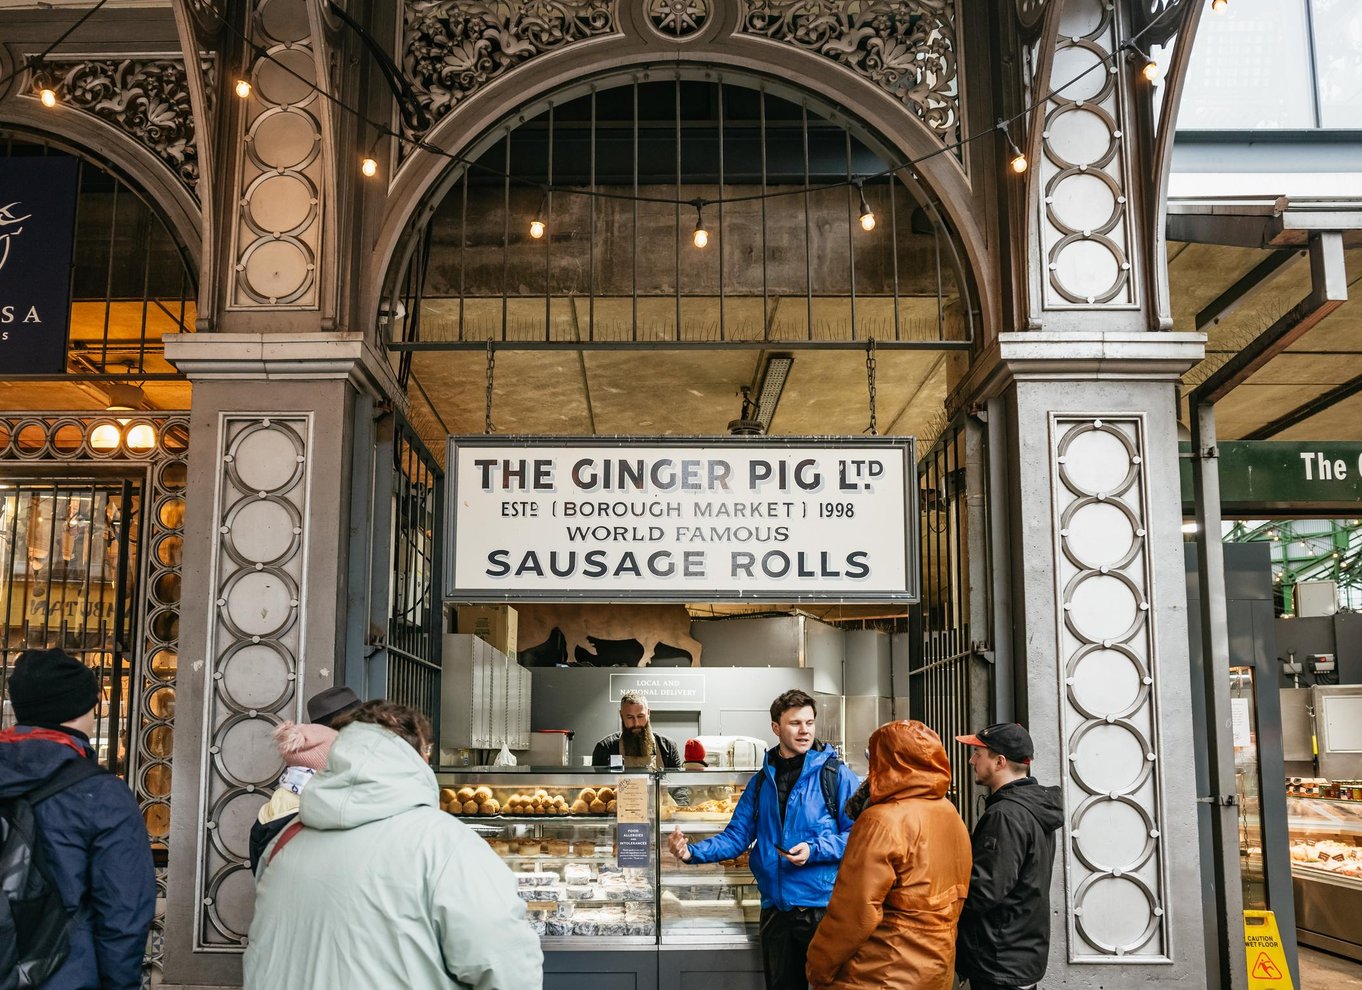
pixel 579 624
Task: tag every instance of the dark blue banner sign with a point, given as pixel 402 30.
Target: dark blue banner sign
pixel 37 235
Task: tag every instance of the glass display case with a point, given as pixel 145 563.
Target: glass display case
pixel 1326 871
pixel 585 873
pixel 705 902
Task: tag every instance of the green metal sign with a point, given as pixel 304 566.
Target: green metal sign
pixel 1272 476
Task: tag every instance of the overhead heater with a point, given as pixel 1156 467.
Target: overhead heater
pixel 759 401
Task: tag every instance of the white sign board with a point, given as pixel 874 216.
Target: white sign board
pixel 681 520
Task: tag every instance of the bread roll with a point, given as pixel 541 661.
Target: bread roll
pixel 470 807
pixel 491 807
pixel 464 794
pixel 580 807
pixel 588 795
pixel 606 794
pixel 610 807
pixel 447 795
pixel 597 807
pixel 541 794
pixel 482 794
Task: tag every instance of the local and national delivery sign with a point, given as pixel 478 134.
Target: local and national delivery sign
pixel 681 519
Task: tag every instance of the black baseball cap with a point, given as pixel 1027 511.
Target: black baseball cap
pixel 1004 738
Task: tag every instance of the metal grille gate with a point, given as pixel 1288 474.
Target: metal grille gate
pixel 948 680
pixel 413 674
pixel 68 580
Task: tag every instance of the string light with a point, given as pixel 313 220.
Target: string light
pixel 1150 69
pixel 537 227
pixel 867 217
pixel 48 96
pixel 1018 160
pixel 243 88
pixel 368 166
pixel 700 236
pixel 1219 5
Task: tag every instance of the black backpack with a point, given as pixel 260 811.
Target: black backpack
pixel 35 927
pixel 828 775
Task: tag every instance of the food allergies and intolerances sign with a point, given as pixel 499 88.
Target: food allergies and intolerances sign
pixel 681 519
pixel 37 233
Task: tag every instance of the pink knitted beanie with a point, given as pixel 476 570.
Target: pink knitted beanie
pixel 304 745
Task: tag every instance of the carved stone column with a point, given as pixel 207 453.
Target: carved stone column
pixel 261 627
pixel 1088 422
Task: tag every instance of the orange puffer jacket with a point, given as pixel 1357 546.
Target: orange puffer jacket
pixel 891 921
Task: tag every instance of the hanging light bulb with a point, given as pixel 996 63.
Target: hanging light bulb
pixel 700 236
pixel 1219 6
pixel 867 216
pixel 1018 160
pixel 242 88
pixel 1149 66
pixel 48 96
pixel 368 167
pixel 537 227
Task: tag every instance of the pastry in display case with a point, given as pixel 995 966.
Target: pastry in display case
pixel 705 901
pixel 1326 870
pixel 557 833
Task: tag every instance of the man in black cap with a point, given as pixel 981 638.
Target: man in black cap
pixel 1003 941
pixel 91 829
pixel 325 707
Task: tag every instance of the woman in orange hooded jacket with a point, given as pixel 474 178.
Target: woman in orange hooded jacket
pixel 891 922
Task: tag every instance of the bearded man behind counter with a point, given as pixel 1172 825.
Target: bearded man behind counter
pixel 636 742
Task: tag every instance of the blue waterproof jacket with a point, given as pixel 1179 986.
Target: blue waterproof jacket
pixel 100 856
pixel 782 884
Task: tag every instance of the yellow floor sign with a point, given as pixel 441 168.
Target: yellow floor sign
pixel 1267 969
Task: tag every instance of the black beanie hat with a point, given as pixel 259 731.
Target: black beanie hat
pixel 49 687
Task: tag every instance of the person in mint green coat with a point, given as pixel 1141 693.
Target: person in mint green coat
pixel 379 887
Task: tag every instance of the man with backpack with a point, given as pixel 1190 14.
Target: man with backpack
pixel 793 810
pixel 73 847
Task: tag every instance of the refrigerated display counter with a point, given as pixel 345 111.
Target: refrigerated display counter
pixel 1326 872
pixel 589 852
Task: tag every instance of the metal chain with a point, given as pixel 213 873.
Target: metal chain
pixel 872 429
pixel 487 425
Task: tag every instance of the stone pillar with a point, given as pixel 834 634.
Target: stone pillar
pixel 262 628
pixel 1100 637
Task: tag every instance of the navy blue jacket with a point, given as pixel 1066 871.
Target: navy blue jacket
pixel 782 884
pixel 100 856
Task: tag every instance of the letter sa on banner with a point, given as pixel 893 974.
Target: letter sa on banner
pixel 1267 969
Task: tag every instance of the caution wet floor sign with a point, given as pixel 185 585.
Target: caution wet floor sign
pixel 1266 961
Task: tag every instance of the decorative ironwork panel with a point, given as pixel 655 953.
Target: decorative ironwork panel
pixel 1087 227
pixel 452 48
pixel 280 171
pixel 1117 885
pixel 253 660
pixel 910 48
pixel 157 444
pixel 145 98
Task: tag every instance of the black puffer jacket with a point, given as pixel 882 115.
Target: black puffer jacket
pixel 1004 934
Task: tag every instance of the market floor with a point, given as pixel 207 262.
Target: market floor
pixel 1325 971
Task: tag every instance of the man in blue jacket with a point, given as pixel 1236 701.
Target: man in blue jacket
pixel 93 832
pixel 793 810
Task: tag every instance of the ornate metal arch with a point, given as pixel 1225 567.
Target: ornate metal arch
pixel 899 131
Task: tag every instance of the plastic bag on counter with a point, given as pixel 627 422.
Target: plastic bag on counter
pixel 505 758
